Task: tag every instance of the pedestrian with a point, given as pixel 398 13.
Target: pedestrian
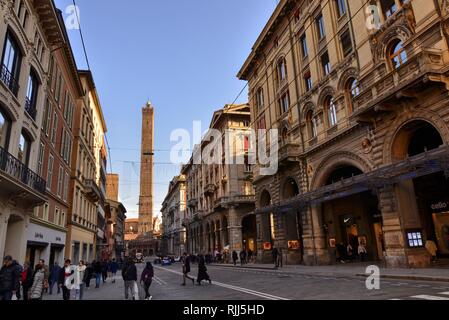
pixel 341 252
pixel 53 279
pixel 112 270
pixel 432 249
pixel 280 258
pixel 202 271
pixel 19 270
pixel 104 271
pixel 186 269
pixel 350 252
pixel 146 278
pixel 26 279
pixel 98 272
pixel 37 289
pixel 129 274
pixel 9 280
pixel 65 280
pixel 46 274
pixel 362 252
pixel 88 275
pixel 235 257
pixel 242 257
pixel 250 255
pixel 80 274
pixel 275 255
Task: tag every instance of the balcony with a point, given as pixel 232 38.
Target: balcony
pixel 186 222
pixel 8 79
pixel 225 202
pixel 18 180
pixel 92 190
pixel 30 109
pixel 405 82
pixel 289 154
pixel 192 203
pixel 210 189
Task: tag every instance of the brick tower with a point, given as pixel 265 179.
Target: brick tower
pixel 146 171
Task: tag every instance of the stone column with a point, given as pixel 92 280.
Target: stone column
pixel 4 218
pixel 235 230
pixel 315 241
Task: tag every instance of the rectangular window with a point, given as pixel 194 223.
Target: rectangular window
pixel 325 63
pixel 57 218
pixel 61 151
pixel 46 211
pixel 51 160
pixel 55 129
pixel 304 48
pixel 308 81
pixel 388 7
pixel 40 160
pixel 11 62
pixel 346 43
pixel 341 8
pixel 60 181
pixel 66 186
pixel 63 219
pixel 320 27
pixel 285 103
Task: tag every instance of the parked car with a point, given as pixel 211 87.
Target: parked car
pixel 166 261
pixel 177 259
pixel 158 260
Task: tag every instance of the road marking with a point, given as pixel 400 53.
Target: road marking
pixel 429 297
pixel 235 288
pixel 159 281
pixel 445 293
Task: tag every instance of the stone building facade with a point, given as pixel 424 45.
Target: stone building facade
pixel 29 31
pixel 173 213
pixel 220 196
pixel 359 95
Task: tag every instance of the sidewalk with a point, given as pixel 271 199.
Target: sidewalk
pixel 439 274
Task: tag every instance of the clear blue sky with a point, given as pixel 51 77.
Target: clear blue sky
pixel 183 55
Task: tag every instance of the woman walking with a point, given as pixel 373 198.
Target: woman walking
pixel 37 289
pixel 80 273
pixel 26 280
pixel 146 278
pixel 88 275
pixel 202 271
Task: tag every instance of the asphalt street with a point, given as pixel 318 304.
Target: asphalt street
pixel 242 284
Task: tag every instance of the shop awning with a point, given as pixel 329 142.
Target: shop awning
pixel 37 244
pixel 57 246
pixel 429 162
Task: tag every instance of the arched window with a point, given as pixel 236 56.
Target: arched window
pixel 31 97
pixel 282 70
pixel 259 100
pixel 5 128
pixel 11 61
pixel 312 125
pixel 398 55
pixel 331 110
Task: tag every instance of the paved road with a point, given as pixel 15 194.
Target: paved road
pixel 239 284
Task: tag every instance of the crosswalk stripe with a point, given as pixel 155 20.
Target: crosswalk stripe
pixel 429 297
pixel 445 293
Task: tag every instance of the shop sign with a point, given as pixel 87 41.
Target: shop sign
pixel 440 206
pixel 294 245
pixel 267 246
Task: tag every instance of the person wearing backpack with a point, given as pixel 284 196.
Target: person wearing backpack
pixel 146 278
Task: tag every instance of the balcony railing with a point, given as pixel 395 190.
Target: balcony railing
pixel 92 190
pixel 30 109
pixel 16 169
pixel 8 79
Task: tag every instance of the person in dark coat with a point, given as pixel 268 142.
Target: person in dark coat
pixel 112 270
pixel 88 274
pixel 202 271
pixel 186 269
pixel 26 280
pixel 275 254
pixel 98 270
pixel 129 274
pixel 54 275
pixel 104 270
pixel 242 257
pixel 235 257
pixel 146 278
pixel 9 279
pixel 65 279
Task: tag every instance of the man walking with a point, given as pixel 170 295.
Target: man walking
pixel 275 254
pixel 186 269
pixel 9 279
pixel 54 275
pixel 235 257
pixel 112 270
pixel 66 279
pixel 129 274
pixel 98 272
pixel 26 279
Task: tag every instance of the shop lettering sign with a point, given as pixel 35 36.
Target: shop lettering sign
pixel 38 235
pixel 440 206
pixel 58 239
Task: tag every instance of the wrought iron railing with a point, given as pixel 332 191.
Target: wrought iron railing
pixel 30 109
pixel 14 168
pixel 8 79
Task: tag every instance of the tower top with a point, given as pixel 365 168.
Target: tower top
pixel 149 105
